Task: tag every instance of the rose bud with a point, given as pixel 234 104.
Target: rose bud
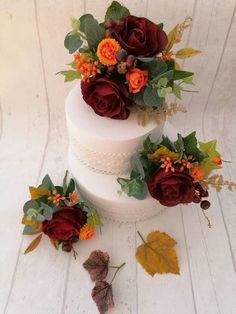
pixel 111 69
pixel 66 246
pixel 122 67
pixel 196 198
pixel 130 61
pixel 121 55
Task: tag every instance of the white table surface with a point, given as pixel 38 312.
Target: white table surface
pixel 33 142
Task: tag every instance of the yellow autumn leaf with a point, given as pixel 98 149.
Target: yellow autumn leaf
pixel 38 192
pixel 163 152
pixel 156 254
pixel 172 36
pixel 33 244
pixel 33 223
pixel 186 53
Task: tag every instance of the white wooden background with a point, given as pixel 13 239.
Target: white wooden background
pixel 33 142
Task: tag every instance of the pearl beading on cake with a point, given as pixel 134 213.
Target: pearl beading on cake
pixel 102 162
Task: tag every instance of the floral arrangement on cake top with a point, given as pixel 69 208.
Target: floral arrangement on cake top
pixel 175 172
pixel 59 213
pixel 126 63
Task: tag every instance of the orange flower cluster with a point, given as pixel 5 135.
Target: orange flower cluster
pixel 86 232
pixel 167 164
pixel 106 51
pixel 73 198
pixel 86 66
pixel 196 173
pixel 185 163
pixel 56 198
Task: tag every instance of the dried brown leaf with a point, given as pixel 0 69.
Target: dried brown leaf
pixel 103 296
pixel 97 265
pixel 33 244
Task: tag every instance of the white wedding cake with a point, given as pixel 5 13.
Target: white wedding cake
pixel 100 150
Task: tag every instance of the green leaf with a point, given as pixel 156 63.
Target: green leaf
pixel 176 89
pixel 178 74
pixel 47 211
pixel 82 20
pixel 73 42
pixel 92 30
pixel 29 205
pixel 133 187
pixel 149 166
pixel 71 187
pixel 188 80
pixel 28 230
pixel 154 67
pixel 160 25
pixel 151 97
pixel 190 147
pixel 59 189
pixel 146 59
pixel 148 146
pixel 75 24
pixel 65 182
pixel 94 219
pixel 136 166
pixel 162 92
pixel 47 183
pixel 208 164
pixel 116 11
pixel 168 75
pixel 167 143
pixel 70 75
pixel 138 97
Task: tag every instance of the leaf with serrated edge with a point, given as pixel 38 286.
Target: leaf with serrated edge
pixel 33 244
pixel 38 192
pixel 156 255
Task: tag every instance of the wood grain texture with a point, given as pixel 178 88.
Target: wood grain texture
pixel 33 142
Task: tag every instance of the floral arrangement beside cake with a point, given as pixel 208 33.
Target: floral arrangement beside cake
pixel 126 63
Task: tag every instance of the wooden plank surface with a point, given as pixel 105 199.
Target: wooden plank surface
pixel 33 141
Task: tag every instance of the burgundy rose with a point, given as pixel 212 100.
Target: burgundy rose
pixel 171 188
pixel 107 97
pixel 65 224
pixel 139 36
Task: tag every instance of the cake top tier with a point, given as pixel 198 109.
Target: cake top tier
pixel 82 117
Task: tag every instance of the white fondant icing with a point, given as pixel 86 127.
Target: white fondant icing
pixel 104 144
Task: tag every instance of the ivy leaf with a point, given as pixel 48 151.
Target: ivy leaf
pixel 94 219
pixel 151 97
pixel 47 211
pixel 33 244
pixel 186 53
pixel 135 187
pixel 148 146
pixel 103 296
pixel 167 143
pixel 93 31
pixel 208 164
pixel 156 254
pixel 97 265
pixel 179 145
pixel 177 90
pixel 190 147
pixel 70 75
pixel 38 192
pixel 73 42
pixel 47 183
pixel 178 75
pixel 116 11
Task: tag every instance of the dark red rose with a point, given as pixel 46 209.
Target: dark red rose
pixel 139 36
pixel 171 188
pixel 65 224
pixel 107 97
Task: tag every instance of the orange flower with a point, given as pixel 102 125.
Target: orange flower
pixel 167 164
pixel 73 197
pixel 86 232
pixel 136 79
pixel 85 65
pixel 106 51
pixel 167 56
pixel 197 173
pixel 56 198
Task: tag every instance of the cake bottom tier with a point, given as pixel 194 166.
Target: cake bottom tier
pixel 101 191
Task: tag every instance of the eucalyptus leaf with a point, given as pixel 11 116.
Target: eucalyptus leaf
pixel 29 205
pixel 133 187
pixel 154 67
pixel 178 75
pixel 116 11
pixel 136 165
pixel 47 211
pixel 93 31
pixel 138 97
pixel 47 183
pixel 151 97
pixel 73 42
pixel 177 90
